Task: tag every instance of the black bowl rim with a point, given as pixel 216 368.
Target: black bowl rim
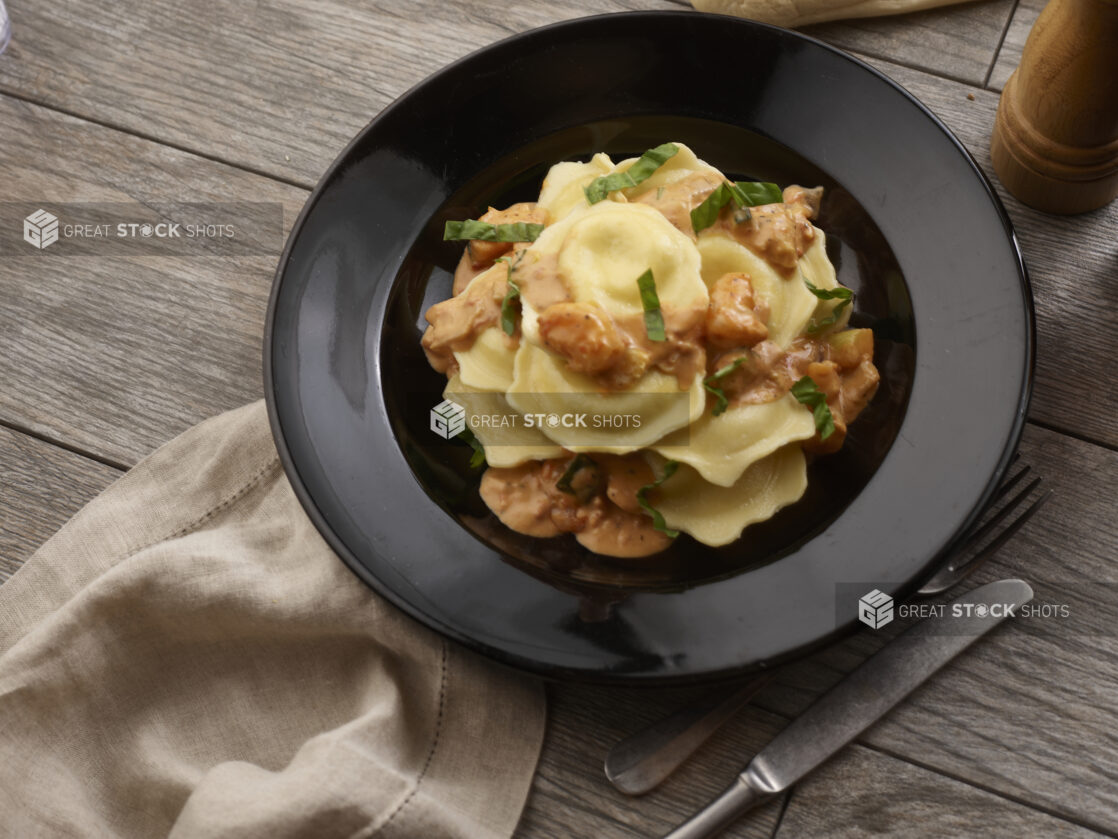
pixel 359 570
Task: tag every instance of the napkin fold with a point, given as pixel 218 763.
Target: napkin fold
pixel 793 13
pixel 187 657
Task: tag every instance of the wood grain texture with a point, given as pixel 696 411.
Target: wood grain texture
pixel 570 794
pixel 1028 712
pixel 865 793
pixel 114 354
pixel 280 86
pixel 276 86
pixel 1009 56
pixel 117 355
pixel 1073 265
pixel 41 486
pixel 957 42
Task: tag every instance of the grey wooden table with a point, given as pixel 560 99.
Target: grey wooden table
pixel 102 359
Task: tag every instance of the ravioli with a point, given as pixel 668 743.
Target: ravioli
pixel 717 515
pixel 616 399
pixel 721 448
pixel 544 386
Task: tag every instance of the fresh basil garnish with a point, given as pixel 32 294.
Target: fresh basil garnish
pixel 807 392
pixel 510 305
pixel 510 308
pixel 840 293
pixel 521 231
pixel 648 163
pixel 757 193
pixel 579 463
pixel 478 457
pixel 742 193
pixel 642 499
pixel 650 301
pixel 709 384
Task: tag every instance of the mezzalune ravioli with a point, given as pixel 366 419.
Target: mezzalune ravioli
pixel 738 314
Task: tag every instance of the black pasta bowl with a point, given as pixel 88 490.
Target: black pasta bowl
pixel 912 226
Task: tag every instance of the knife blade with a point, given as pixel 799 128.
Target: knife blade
pixel 859 700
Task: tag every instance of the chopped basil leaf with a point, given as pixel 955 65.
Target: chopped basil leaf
pixel 478 457
pixel 708 383
pixel 573 468
pixel 757 193
pixel 659 192
pixel 510 306
pixel 642 499
pixel 706 213
pixel 650 300
pixel 807 392
pixel 743 194
pixel 648 163
pixel 840 293
pixel 521 231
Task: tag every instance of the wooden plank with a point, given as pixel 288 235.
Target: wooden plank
pixel 221 99
pixel 570 794
pixel 1072 261
pixel 1027 712
pixel 116 354
pixel 1009 56
pixel 278 86
pixel 866 793
pixel 958 42
pixel 42 487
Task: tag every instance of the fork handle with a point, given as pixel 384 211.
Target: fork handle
pixel 737 798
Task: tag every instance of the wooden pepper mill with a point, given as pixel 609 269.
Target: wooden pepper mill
pixel 1055 140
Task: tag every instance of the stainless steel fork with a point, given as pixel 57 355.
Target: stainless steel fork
pixel 641 761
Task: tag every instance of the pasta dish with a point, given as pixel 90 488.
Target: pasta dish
pixel 648 349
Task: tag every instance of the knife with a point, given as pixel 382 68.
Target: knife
pixel 858 701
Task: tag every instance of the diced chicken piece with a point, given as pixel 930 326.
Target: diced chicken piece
pixel 457 321
pixel 848 392
pixel 826 376
pixel 858 387
pixel 734 318
pixel 850 347
pixel 584 334
pixel 624 478
pixel 778 233
pixel 483 253
pixel 808 199
pixel 624 535
pixel 516 494
pixel 675 201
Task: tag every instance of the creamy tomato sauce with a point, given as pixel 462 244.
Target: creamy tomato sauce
pixel 595 496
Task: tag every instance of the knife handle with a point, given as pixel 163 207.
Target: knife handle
pixel 738 797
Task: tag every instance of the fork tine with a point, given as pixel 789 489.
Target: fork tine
pixel 973 554
pixel 996 519
pixel 1009 483
pixel 1003 537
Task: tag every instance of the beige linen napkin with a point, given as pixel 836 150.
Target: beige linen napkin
pixel 187 657
pixel 793 13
